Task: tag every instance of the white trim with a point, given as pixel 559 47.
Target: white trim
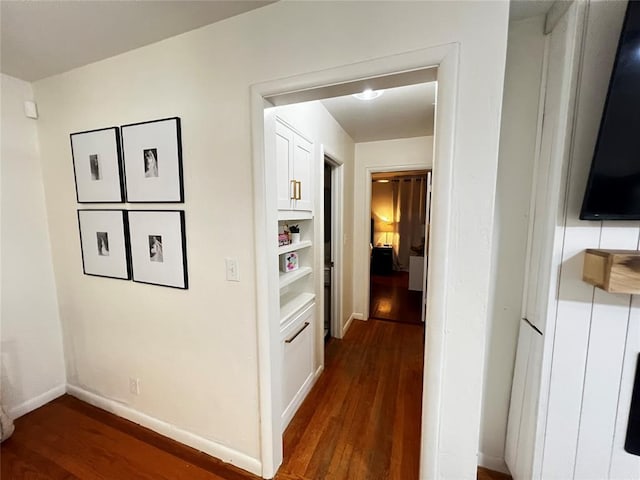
pixel 446 58
pixel 337 243
pixel 352 317
pixel 36 402
pixel 497 464
pixel 217 450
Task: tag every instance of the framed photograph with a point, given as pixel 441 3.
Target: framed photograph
pixel 97 166
pixel 153 161
pixel 158 247
pixel 104 243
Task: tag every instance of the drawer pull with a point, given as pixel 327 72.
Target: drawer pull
pixel 293 190
pixel 306 324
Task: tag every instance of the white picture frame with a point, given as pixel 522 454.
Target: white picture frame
pixel 158 247
pixel 152 157
pixel 97 165
pixel 104 243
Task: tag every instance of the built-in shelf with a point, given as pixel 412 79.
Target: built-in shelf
pixel 615 271
pixel 292 303
pixel 294 246
pixel 294 215
pixel 290 277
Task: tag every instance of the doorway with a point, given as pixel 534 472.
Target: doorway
pixel 399 244
pixel 332 259
pixel 437 380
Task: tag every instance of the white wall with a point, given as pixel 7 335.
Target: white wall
pixel 30 333
pixel 195 351
pixel 414 153
pixel 525 51
pixel 596 337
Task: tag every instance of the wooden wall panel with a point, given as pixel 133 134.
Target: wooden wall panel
pixel 622 464
pixel 607 336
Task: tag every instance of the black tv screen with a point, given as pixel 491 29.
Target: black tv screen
pixel 613 188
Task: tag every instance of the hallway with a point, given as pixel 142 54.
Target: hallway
pixel 362 419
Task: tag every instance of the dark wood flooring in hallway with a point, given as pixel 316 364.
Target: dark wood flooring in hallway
pixel 362 419
pixel 360 422
pixel 392 300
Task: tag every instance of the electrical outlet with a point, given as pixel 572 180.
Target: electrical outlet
pixel 134 386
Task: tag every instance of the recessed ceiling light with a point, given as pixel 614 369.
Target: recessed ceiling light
pixel 382 181
pixel 368 94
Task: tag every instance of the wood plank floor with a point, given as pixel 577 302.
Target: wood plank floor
pixel 392 300
pixel 360 422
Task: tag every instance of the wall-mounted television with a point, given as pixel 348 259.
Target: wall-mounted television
pixel 613 188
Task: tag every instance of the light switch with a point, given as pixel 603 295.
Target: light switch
pixel 232 269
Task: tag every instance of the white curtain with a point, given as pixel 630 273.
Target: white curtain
pixel 409 204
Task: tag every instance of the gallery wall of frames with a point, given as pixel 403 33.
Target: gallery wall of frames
pixel 134 163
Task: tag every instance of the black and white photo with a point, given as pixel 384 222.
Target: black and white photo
pixel 151 162
pixel 97 165
pixel 104 242
pixel 94 165
pixel 158 247
pixel 152 157
pixel 155 248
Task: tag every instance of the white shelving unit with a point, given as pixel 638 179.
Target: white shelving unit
pixel 287 279
pixel 294 246
pixel 293 156
pixel 291 303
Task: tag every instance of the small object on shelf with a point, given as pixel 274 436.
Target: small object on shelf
pixel 283 239
pixel 614 271
pixel 289 262
pixel 294 233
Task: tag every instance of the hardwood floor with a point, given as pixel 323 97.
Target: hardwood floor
pixel 68 439
pixel 392 300
pixel 362 419
pixel 360 422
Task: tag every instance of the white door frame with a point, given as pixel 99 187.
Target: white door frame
pixel 366 254
pixel 337 222
pixel 446 58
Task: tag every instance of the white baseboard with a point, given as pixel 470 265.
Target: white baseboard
pixel 352 317
pixel 36 402
pixel 222 452
pixel 496 464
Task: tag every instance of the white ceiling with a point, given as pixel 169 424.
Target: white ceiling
pixel 43 38
pixel 401 112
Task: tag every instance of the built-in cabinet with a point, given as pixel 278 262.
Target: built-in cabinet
pixel 294 157
pixel 295 191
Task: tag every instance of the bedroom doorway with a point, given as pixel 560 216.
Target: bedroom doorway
pixel 399 238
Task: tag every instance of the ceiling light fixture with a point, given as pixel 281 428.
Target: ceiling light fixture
pixel 382 180
pixel 368 94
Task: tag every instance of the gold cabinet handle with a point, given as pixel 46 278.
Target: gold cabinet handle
pixel 289 340
pixel 299 191
pixel 293 190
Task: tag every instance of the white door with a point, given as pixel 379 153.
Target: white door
pixel 283 153
pixel 524 436
pixel 301 173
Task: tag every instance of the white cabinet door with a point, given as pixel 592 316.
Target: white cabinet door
pixel 302 166
pixel 294 160
pixel 284 153
pixel 298 362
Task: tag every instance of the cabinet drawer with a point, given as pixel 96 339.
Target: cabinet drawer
pixel 298 362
